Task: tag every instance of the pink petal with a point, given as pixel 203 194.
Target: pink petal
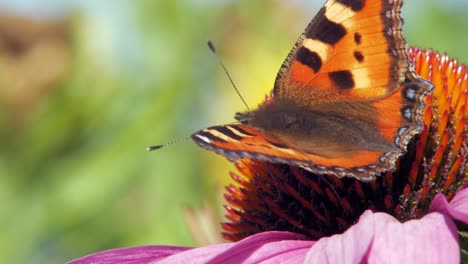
pixel 431 239
pixel 131 255
pixel 457 208
pixel 349 247
pixel 267 247
pixel 380 238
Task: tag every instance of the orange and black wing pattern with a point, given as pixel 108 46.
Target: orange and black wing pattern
pixel 352 50
pixel 350 64
pixel 241 141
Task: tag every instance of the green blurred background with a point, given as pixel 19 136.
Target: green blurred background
pixel 86 86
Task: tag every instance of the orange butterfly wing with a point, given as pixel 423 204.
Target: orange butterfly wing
pixel 347 86
pixel 240 141
pixel 352 50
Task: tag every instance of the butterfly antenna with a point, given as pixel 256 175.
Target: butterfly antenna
pixel 177 141
pixel 213 49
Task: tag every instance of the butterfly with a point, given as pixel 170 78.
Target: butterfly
pixel 346 100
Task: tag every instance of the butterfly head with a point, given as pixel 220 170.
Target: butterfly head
pixel 270 117
pixel 244 118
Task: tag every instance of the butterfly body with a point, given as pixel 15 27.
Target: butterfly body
pixel 346 100
pixel 320 129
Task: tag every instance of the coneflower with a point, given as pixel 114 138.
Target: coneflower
pixel 278 213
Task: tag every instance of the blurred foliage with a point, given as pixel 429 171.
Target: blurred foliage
pixel 81 98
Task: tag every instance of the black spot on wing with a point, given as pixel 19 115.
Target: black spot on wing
pixel 358 55
pixel 226 131
pixel 309 58
pixel 326 30
pixel 357 38
pixel 355 5
pixel 344 79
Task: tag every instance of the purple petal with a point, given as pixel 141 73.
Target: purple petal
pixel 267 247
pixel 457 208
pixel 380 238
pixel 350 247
pixel 131 255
